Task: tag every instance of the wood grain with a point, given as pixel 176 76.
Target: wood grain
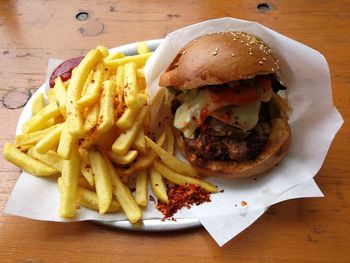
pixel 305 230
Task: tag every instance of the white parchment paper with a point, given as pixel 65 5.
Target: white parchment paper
pixel 314 122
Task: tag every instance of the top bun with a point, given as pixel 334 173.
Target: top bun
pixel 218 58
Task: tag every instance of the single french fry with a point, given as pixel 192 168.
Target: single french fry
pixel 146 160
pixel 120 90
pixel 129 115
pixel 171 161
pixel 34 137
pixel 93 88
pixel 141 187
pixel 124 196
pixel 92 117
pixel 50 158
pixel 51 97
pixel 142 48
pixel 103 50
pixel 85 166
pixel 169 140
pixel 102 179
pixel 76 84
pixel 130 84
pixel 124 141
pixel 106 116
pixel 25 162
pixel 37 121
pixel 140 143
pixel 141 82
pixel 49 142
pixel 114 56
pixel 60 95
pixel 38 103
pixel 181 179
pixel 158 185
pixel 70 175
pixel 86 84
pixel 139 60
pixel 123 159
pixel 65 144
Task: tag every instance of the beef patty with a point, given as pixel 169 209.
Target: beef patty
pixel 226 143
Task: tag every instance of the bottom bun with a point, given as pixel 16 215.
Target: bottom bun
pixel 274 151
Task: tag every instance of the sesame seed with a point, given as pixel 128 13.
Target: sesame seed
pixel 233 54
pixel 242 41
pixel 264 59
pixel 260 62
pixel 250 53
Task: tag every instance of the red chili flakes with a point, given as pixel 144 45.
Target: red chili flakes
pixel 244 203
pixel 151 198
pixel 222 190
pixel 182 196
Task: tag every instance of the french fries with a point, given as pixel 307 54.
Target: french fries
pixel 27 163
pixel 141 187
pixel 36 122
pixel 102 179
pixel 171 161
pixel 181 179
pixel 99 116
pixel 70 175
pixel 124 196
pixel 157 184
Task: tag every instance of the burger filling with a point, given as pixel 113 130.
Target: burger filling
pixel 225 122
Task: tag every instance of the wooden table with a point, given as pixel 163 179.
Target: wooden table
pixel 304 230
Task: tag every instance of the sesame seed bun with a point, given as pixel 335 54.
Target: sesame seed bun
pixel 219 58
pixel 274 151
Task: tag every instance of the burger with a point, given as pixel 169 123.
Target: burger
pixel 222 90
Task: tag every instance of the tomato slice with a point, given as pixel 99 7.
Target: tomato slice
pixel 265 83
pixel 64 70
pixel 235 96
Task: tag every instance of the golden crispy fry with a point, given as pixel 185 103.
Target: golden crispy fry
pixel 139 60
pixel 94 87
pixel 124 141
pixel 87 83
pixel 51 97
pixel 103 181
pixel 106 116
pixel 130 85
pixel 50 158
pixel 169 140
pixel 181 179
pixel 141 82
pixel 158 185
pixel 141 187
pixel 76 84
pixel 116 55
pixel 65 144
pixel 103 50
pixel 70 175
pixel 36 122
pixel 50 141
pixel 60 94
pixel 142 48
pixel 140 143
pixel 34 137
pixel 129 115
pixel 38 103
pixel 92 117
pixel 26 163
pixel 124 196
pixel 120 90
pixel 171 161
pixel 123 159
pixel 85 166
pixel 146 160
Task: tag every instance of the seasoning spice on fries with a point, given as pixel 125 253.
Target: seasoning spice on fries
pixel 99 116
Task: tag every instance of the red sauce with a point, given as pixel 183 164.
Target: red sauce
pixel 265 83
pixel 236 96
pixel 64 70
